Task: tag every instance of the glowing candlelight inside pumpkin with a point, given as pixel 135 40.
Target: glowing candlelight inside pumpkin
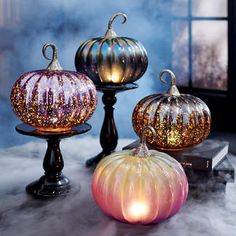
pixel 113 75
pixel 140 186
pixel 138 210
pixel 111 59
pixel 52 99
pixel 173 137
pixel 180 120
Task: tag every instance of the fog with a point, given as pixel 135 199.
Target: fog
pixel 23 31
pixel 77 214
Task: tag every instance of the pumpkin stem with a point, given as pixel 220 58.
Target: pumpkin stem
pixel 54 64
pixel 173 88
pixel 116 15
pixel 142 149
pixel 110 32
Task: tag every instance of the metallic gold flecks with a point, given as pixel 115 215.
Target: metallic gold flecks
pixel 53 100
pixel 180 120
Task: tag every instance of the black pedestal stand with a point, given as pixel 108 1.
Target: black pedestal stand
pixel 108 134
pixel 53 183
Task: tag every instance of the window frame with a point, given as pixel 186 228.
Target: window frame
pixel 220 102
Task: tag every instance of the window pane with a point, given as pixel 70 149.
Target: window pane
pixel 210 55
pixel 179 7
pixel 209 8
pixel 180 62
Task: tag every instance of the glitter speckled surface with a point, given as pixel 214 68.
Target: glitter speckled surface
pixel 180 121
pixel 53 100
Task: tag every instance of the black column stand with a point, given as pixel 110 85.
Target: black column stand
pixel 109 134
pixel 53 183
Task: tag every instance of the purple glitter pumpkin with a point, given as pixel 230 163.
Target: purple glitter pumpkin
pixel 53 99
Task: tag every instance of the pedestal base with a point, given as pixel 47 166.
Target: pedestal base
pixel 53 183
pixel 92 162
pixel 45 188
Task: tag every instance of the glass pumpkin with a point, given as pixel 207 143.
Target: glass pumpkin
pixel 140 186
pixel 112 59
pixel 53 99
pixel 180 120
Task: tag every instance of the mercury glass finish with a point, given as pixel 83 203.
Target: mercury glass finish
pixel 53 99
pixel 112 59
pixel 140 186
pixel 180 120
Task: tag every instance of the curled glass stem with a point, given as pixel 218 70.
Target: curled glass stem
pixel 173 78
pixel 110 32
pixel 173 88
pixel 142 149
pixel 54 64
pixel 116 15
pixel 144 134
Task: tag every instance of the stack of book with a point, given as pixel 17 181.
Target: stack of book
pixel 205 161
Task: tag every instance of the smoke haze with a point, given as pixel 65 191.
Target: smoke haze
pixel 210 214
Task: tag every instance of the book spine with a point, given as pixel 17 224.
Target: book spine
pixel 196 163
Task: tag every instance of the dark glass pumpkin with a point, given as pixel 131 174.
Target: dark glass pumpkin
pixel 112 59
pixel 53 99
pixel 180 120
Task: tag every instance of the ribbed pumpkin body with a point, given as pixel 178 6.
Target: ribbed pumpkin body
pixel 138 189
pixel 115 60
pixel 53 100
pixel 180 121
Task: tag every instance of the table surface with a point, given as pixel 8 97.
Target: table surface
pixel 77 214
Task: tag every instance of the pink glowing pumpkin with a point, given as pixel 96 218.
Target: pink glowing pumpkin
pixel 140 186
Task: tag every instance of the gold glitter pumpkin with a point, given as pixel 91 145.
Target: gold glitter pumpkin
pixel 53 99
pixel 180 120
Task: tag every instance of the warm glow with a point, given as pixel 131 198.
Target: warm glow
pixel 115 78
pixel 125 197
pixel 115 75
pixel 54 104
pixel 138 210
pixel 173 137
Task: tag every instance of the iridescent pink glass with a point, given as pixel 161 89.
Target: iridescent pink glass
pixel 140 186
